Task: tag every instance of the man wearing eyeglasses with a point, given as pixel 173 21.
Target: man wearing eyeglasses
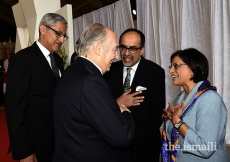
pixel 33 74
pixel 140 85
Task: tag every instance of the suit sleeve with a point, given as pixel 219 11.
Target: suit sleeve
pixel 211 110
pixel 17 94
pixel 158 98
pixel 101 111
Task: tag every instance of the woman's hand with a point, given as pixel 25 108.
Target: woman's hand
pixel 168 112
pixel 174 114
pixel 177 112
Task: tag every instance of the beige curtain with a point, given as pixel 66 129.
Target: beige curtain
pixel 170 25
pixel 116 16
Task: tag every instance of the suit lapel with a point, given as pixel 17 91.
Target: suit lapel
pixel 119 77
pixel 43 61
pixel 141 69
pixel 58 62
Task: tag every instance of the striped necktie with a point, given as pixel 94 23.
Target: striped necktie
pixel 54 66
pixel 127 79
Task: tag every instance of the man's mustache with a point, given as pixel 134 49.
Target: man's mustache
pixel 128 57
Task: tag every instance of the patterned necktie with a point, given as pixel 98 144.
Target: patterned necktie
pixel 54 67
pixel 127 80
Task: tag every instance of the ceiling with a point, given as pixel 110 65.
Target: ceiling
pixel 79 7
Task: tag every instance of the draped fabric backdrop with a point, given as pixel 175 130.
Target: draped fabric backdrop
pixel 116 16
pixel 203 24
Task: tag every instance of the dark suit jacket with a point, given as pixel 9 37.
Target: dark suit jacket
pixel 87 120
pixel 29 98
pixel 147 115
pixel 73 57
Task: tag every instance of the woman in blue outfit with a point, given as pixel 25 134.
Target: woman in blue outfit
pixel 195 122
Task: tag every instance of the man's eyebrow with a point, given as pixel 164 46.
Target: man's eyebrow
pixel 129 47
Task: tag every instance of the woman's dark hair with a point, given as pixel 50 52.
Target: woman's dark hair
pixel 196 61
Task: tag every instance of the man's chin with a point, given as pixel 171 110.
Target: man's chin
pixel 56 47
pixel 127 64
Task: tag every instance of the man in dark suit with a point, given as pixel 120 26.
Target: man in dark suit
pixel 89 125
pixel 32 76
pixel 74 55
pixel 146 79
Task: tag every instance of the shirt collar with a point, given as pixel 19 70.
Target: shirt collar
pixel 43 49
pixel 133 67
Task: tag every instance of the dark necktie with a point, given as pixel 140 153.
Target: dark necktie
pixel 54 67
pixel 127 80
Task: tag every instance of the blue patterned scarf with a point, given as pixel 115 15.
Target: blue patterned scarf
pixel 167 154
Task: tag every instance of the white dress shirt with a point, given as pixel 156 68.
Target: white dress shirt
pixel 46 54
pixel 132 72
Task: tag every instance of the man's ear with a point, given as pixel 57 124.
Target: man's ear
pixel 142 50
pixel 97 48
pixel 42 29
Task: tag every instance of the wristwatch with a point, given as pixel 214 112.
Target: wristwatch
pixel 177 125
